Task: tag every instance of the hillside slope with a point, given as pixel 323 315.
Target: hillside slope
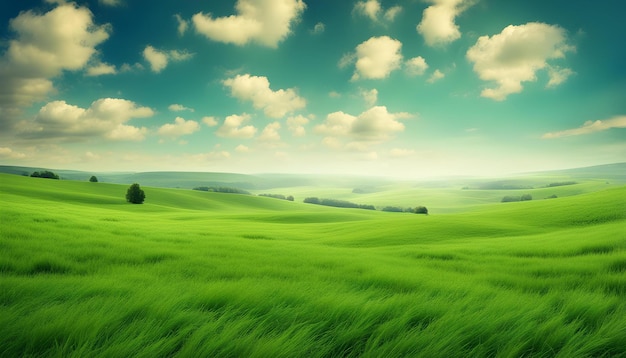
pixel 188 273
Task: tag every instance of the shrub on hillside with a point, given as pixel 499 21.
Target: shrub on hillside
pixel 135 194
pixel 312 200
pixel 562 183
pixel 93 179
pixel 526 197
pixel 45 174
pixel 278 196
pixel 510 199
pixel 393 209
pixel 421 210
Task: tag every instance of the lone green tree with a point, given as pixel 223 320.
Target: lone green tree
pixel 135 194
pixel 421 210
pixel 93 179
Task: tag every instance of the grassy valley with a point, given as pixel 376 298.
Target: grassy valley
pixel 191 273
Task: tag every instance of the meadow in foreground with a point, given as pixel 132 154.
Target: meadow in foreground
pixel 85 274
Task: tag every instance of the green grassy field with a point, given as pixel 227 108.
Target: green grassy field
pixel 189 273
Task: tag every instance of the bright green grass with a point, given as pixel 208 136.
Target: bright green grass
pixel 84 274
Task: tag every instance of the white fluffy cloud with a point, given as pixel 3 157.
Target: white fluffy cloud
pixel 159 59
pixel 296 125
pixel 319 28
pixel 516 54
pixel 373 125
pixel 266 22
pixel 233 127
pixel 370 97
pixel 100 69
pixel 376 58
pixel 436 76
pixel 373 10
pixel 209 121
pixel 179 108
pixel 179 128
pixel 275 104
pixel 558 75
pixel 416 66
pixel 437 25
pixel 590 127
pixel 270 133
pixel 45 45
pixel 105 117
pixel 182 24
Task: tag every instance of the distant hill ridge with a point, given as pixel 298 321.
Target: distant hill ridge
pixel 189 180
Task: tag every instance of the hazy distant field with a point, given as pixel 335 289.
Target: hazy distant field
pixel 189 273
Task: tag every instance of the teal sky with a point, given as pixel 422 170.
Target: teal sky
pixel 403 88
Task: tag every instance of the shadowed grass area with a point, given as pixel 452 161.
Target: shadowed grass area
pixel 82 273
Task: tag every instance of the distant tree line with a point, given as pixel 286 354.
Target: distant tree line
pixel 278 196
pixel 222 189
pixel 562 183
pixel 397 209
pixel 347 204
pixel 338 203
pixel 509 199
pixel 45 174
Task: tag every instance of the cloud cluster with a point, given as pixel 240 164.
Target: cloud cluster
pixel 43 48
pixel 179 128
pixel 377 57
pixel 159 59
pixel 266 22
pixel 275 104
pixel 233 127
pixel 372 126
pixel 370 97
pixel 373 10
pixel 516 54
pixel 270 133
pixel 437 25
pixel 296 125
pixel 105 118
pixel 590 127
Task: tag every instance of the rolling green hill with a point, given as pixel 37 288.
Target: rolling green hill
pixel 190 273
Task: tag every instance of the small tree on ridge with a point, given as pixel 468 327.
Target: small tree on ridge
pixel 93 179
